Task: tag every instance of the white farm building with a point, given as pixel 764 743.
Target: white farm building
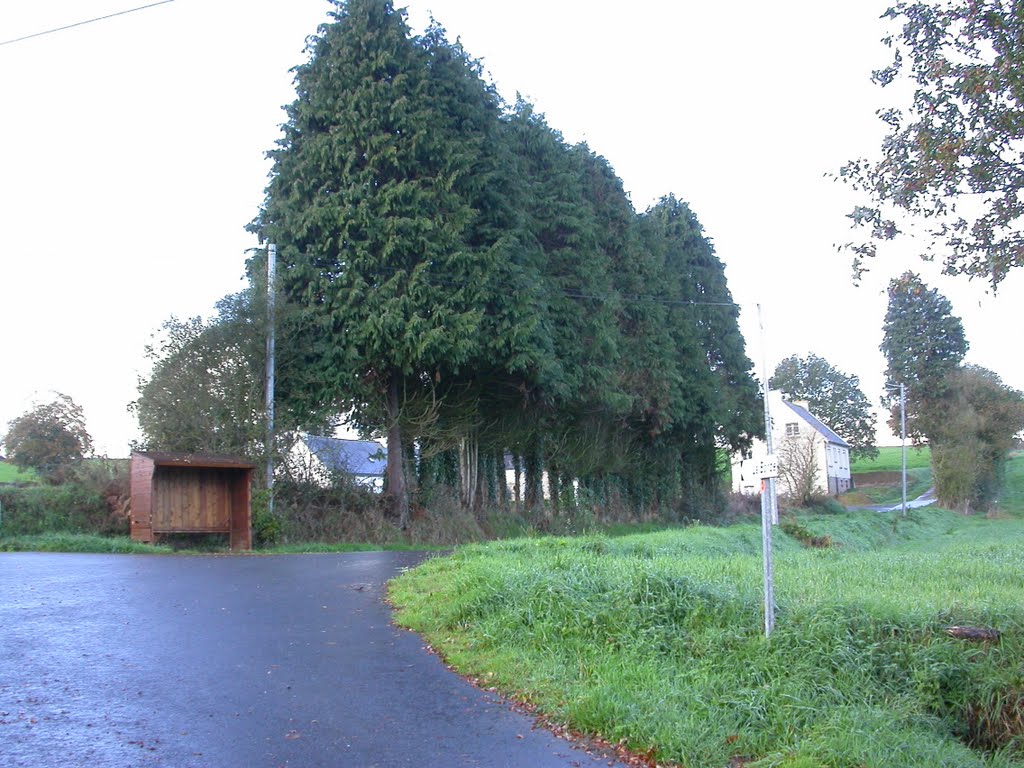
pixel 797 437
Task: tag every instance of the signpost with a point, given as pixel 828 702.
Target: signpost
pixel 768 468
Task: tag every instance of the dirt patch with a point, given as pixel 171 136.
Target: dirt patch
pixel 871 479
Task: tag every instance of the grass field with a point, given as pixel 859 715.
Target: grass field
pixel 78 542
pixel 889 459
pixel 12 474
pixel 655 640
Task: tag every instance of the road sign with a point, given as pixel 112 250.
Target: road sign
pixel 765 467
pixel 760 469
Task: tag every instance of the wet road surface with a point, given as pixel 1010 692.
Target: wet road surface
pixel 247 661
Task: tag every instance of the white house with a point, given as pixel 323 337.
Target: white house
pixel 797 435
pixel 320 459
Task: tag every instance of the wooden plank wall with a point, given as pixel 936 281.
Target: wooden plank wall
pixel 241 514
pixel 142 498
pixel 192 499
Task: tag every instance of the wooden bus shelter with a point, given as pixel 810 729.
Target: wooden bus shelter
pixel 191 493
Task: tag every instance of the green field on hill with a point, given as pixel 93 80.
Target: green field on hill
pixel 12 474
pixel 889 459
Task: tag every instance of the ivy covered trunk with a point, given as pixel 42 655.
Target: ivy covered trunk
pixel 396 490
pixel 469 471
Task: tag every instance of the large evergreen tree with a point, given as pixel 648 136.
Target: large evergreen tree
pixel 923 343
pixel 468 281
pixel 371 205
pixel 717 403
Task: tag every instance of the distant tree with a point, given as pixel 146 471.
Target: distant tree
pixel 966 414
pixel 923 343
pixel 953 160
pixel 205 391
pixel 973 439
pixel 50 438
pixel 834 397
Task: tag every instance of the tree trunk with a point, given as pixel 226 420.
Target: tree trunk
pixel 469 471
pixel 397 494
pixel 481 485
pixel 553 490
pixel 517 465
pixel 568 488
pixel 534 467
pixel 502 481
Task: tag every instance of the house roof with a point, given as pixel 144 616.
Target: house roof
pixel 365 458
pixel 819 427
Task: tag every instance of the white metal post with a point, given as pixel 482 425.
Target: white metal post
pixel 769 510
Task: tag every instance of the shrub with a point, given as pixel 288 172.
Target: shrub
pixel 69 508
pixel 342 511
pixel 111 479
pixel 791 527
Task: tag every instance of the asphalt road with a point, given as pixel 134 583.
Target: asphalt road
pixel 247 661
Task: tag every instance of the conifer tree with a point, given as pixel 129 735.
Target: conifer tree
pixel 717 403
pixel 923 343
pixel 466 280
pixel 371 205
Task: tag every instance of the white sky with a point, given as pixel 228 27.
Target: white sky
pixel 134 157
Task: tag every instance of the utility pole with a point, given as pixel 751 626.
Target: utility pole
pixel 903 442
pixel 769 508
pixel 271 278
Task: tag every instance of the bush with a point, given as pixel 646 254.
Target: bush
pixel 68 508
pixel 267 526
pixel 741 507
pixel 343 511
pixel 110 478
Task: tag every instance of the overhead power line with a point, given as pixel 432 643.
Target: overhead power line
pixel 81 23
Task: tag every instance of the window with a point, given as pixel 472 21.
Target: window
pixel 792 429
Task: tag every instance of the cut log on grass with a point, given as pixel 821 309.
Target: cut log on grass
pixel 973 633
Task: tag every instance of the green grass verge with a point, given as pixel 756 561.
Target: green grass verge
pixel 889 459
pixel 10 474
pixel 655 640
pixel 78 542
